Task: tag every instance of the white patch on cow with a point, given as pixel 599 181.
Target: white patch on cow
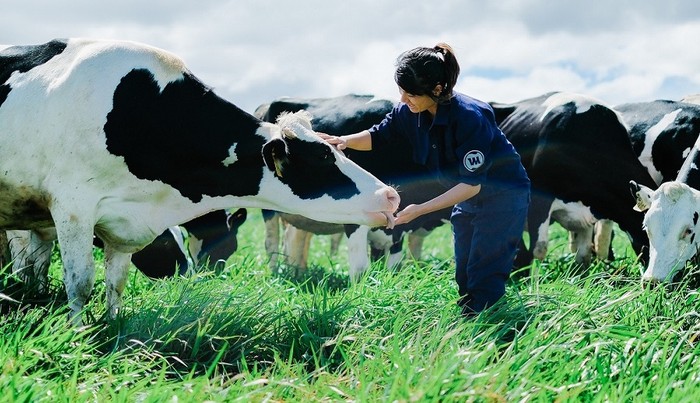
pixel 686 152
pixel 473 160
pixel 583 103
pixel 232 157
pixel 650 138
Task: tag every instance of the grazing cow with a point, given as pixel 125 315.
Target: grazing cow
pixel 346 115
pixel 144 145
pixel 662 133
pixel 671 220
pixel 672 210
pixel 574 149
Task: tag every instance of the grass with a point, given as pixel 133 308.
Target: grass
pixel 242 334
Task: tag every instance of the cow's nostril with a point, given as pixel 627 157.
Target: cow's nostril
pixel 392 196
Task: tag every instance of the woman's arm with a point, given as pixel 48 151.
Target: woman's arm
pixel 457 194
pixel 361 141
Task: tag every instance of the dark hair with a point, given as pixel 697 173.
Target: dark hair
pixel 419 70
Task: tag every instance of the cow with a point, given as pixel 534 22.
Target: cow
pixel 671 211
pixel 144 145
pixel 343 115
pixel 577 150
pixel 662 133
pixel 672 215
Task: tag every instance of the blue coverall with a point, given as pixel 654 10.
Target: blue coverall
pixel 463 144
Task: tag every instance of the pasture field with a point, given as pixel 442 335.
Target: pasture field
pixel 244 335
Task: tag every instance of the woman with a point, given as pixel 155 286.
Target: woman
pixel 457 139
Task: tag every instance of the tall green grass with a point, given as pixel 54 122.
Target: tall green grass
pixel 562 334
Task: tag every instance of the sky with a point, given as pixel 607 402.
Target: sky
pixel 253 51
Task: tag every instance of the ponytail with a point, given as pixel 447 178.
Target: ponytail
pixel 451 68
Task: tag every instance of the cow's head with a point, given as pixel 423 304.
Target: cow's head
pixel 672 223
pixel 317 174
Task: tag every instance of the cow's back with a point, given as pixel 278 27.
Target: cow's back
pixel 662 134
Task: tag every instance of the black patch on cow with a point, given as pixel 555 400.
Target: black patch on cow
pixel 695 218
pixel 25 58
pixel 180 136
pixel 310 164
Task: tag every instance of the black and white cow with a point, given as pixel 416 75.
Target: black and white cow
pixel 121 140
pixel 662 133
pixel 577 150
pixel 672 210
pixel 341 116
pixel 672 220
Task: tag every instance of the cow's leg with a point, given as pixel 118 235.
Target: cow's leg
pixel 358 257
pixel 116 273
pixel 335 243
pixel 304 262
pixel 415 243
pixel 580 243
pixel 19 242
pixel 31 254
pixel 538 230
pixel 295 244
pixel 602 240
pixel 272 238
pixel 396 255
pixel 75 239
pixel 5 254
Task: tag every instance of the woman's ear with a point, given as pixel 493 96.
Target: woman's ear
pixel 437 90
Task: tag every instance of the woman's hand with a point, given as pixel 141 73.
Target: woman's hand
pixel 338 142
pixel 411 212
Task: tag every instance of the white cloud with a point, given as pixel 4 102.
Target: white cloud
pixel 252 51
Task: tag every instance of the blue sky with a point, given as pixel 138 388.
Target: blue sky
pixel 252 51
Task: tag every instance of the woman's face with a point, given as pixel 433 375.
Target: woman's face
pixel 418 103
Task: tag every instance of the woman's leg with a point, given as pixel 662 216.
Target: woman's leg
pixel 493 241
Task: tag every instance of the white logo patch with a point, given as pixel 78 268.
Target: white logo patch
pixel 473 160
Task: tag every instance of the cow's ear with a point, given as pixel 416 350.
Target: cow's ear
pixel 275 156
pixel 235 219
pixel 642 196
